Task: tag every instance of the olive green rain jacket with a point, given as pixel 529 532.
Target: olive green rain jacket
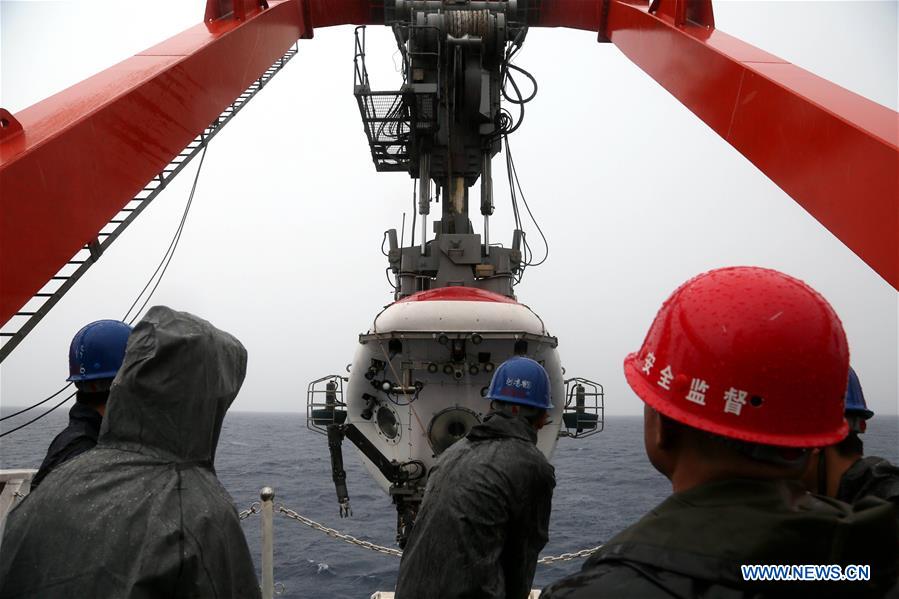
pixel 870 477
pixel 694 543
pixel 143 515
pixel 484 518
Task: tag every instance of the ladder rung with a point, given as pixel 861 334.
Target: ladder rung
pixel 25 313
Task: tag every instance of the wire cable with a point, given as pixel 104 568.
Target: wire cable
pixel 170 252
pixel 42 402
pixel 391 283
pixel 528 208
pixel 515 190
pixel 163 266
pixel 36 418
pixel 515 213
pixel 506 124
pixel 511 80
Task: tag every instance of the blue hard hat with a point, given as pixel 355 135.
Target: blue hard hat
pixel 855 399
pixel 523 381
pixel 97 350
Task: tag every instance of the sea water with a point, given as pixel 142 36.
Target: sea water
pixel 603 484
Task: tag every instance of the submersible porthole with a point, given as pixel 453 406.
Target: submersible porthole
pixel 387 423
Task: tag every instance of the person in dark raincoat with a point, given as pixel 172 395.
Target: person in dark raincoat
pixel 485 513
pixel 842 470
pixel 95 355
pixel 142 515
pixel 742 372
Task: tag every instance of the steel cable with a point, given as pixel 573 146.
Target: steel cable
pixel 163 265
pixel 36 418
pixel 169 253
pixel 31 407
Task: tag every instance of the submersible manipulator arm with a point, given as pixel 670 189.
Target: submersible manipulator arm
pixel 71 163
pixel 392 471
pixel 405 498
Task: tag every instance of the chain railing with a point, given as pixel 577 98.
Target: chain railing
pixel 567 557
pixel 337 534
pixel 254 508
pixel 266 508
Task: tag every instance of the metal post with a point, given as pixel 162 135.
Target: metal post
pixel 487 198
pixel 267 495
pixel 424 197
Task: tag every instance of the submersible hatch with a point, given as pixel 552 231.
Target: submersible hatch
pixel 419 374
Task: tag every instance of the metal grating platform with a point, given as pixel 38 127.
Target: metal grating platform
pixel 387 122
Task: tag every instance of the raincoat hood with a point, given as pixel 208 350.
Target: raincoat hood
pixel 171 394
pixel 142 515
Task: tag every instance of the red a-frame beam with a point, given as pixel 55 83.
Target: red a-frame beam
pixel 833 151
pixel 83 153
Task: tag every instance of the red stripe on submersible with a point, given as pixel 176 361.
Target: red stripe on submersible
pixel 458 294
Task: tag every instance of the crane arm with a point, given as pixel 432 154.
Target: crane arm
pixel 69 163
pixel 833 151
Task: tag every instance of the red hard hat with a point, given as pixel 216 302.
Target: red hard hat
pixel 747 353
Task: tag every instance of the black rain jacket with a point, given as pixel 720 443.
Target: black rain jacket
pixel 870 477
pixel 142 515
pixel 693 544
pixel 484 518
pixel 79 436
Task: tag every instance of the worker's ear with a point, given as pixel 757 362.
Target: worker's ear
pixel 669 432
pixel 653 437
pixel 659 432
pixel 658 439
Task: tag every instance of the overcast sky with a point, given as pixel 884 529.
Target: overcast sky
pixel 635 194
